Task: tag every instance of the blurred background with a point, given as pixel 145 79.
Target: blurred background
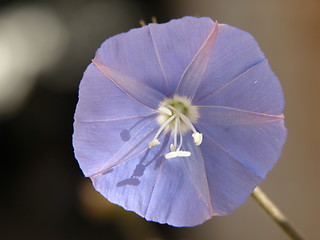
pixel 45 47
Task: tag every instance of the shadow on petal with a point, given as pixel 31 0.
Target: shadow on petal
pixel 130 181
pixel 144 163
pixel 125 133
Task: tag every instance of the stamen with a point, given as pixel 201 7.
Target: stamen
pixel 177 154
pixel 172 147
pixel 171 155
pixel 184 153
pixel 187 122
pixel 180 137
pixel 155 140
pixel 197 138
pixel 179 110
pixel 165 110
pixel 175 131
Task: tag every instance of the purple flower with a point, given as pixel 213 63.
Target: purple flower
pixel 179 121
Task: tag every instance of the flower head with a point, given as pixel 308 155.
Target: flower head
pixel 179 121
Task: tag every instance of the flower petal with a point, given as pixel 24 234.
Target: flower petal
pixel 136 89
pixel 256 146
pixel 101 130
pixel 257 90
pixel 230 183
pixel 234 52
pixel 100 100
pixel 177 43
pixel 171 191
pixel 131 184
pixel 226 116
pixel 192 76
pixel 133 54
pixel 99 146
pixel 181 191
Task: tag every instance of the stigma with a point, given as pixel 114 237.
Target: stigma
pixel 177 115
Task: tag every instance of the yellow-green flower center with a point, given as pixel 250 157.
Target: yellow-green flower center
pixel 177 115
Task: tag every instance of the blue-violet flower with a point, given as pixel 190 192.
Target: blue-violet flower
pixel 179 121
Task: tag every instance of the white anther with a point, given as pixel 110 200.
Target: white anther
pixel 184 153
pixel 171 155
pixel 154 142
pixel 177 154
pixel 197 138
pixel 172 147
pixel 165 110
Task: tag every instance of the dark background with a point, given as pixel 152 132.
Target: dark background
pixel 45 47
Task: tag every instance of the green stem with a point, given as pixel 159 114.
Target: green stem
pixel 274 212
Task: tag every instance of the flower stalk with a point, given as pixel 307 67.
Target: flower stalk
pixel 274 212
